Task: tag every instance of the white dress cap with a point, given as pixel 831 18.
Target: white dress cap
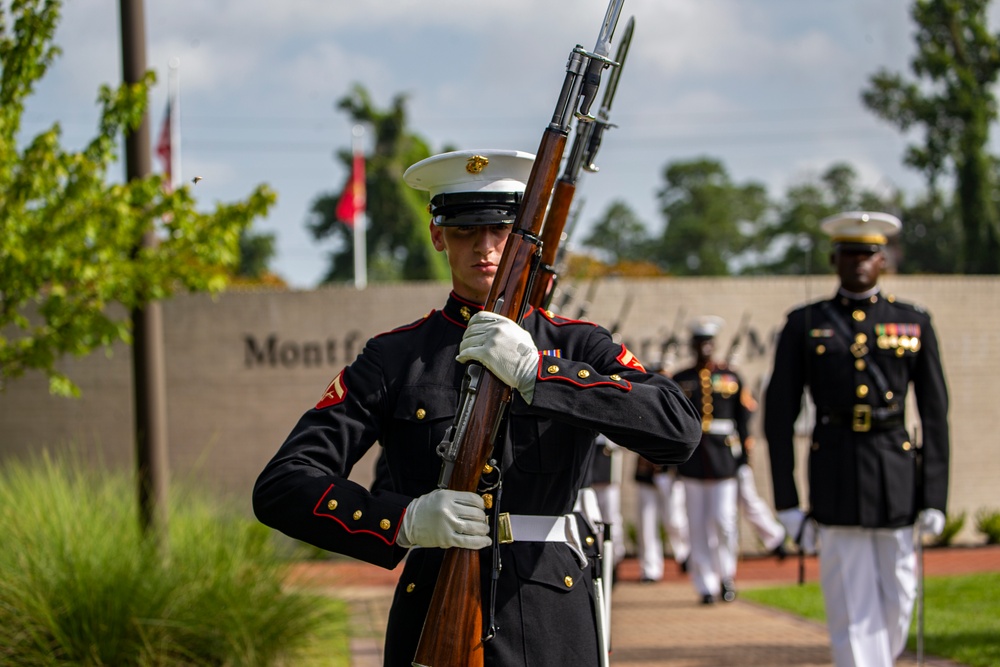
pixel 706 326
pixel 488 170
pixel 861 227
pixel 473 187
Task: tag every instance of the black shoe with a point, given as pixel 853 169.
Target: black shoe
pixel 707 599
pixel 683 565
pixel 728 591
pixel 779 552
pixel 648 580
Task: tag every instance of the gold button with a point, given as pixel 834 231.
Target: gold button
pixel 704 373
pixel 889 395
pixel 706 425
pixel 553 369
pixel 906 446
pixel 332 504
pixel 900 351
pixel 589 540
pixel 357 515
pixel 707 409
pixel 584 374
pixel 384 524
pixel 858 315
pixel 568 581
pixel 862 390
pixel 421 413
pixel 615 377
pixel 859 364
pixel 861 338
pixel 410 587
pixel 820 349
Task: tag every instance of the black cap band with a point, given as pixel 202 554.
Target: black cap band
pixel 455 209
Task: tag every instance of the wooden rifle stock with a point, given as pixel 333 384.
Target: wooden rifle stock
pixel 555 222
pixel 452 633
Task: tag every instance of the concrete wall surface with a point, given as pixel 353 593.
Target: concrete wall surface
pixel 242 366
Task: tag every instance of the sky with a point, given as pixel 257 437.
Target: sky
pixel 770 88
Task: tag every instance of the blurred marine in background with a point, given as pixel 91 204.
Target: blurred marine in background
pixel 870 481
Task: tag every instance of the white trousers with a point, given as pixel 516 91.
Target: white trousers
pixel 869 583
pixel 609 498
pixel 757 512
pixel 661 504
pixel 713 526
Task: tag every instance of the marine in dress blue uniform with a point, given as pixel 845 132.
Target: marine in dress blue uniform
pixel 709 476
pixel 573 382
pixel 869 480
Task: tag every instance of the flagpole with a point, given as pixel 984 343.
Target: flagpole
pixel 360 216
pixel 174 93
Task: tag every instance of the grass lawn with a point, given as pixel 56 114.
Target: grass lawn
pixel 961 615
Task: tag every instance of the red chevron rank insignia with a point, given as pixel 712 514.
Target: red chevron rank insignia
pixel 335 393
pixel 626 358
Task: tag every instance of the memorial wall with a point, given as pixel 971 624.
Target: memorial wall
pixel 242 366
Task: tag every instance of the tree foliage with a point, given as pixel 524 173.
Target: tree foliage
pixel 398 244
pixel 951 98
pixel 790 242
pixel 619 234
pixel 71 242
pixel 706 217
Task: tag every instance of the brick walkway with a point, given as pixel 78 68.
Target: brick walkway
pixel 661 624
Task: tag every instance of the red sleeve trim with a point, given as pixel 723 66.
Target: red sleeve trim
pixel 317 512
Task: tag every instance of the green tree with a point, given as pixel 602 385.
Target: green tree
pixel 790 241
pixel 707 218
pixel 619 234
pixel 952 99
pixel 930 237
pixel 70 241
pixel 256 253
pixel 399 247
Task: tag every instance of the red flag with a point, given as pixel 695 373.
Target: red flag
pixel 163 148
pixel 352 199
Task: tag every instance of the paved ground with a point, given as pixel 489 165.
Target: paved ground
pixel 661 624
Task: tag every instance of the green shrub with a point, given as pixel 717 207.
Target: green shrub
pixel 80 585
pixel 988 523
pixel 952 526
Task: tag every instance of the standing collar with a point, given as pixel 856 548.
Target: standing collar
pixel 459 310
pixel 867 295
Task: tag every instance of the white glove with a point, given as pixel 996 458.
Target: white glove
pixel 799 529
pixel 931 522
pixel 444 518
pixel 792 520
pixel 502 346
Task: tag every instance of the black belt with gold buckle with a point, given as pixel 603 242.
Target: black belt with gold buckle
pixel 863 418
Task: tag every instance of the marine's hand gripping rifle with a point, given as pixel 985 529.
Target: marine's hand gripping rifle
pixel 582 154
pixel 452 635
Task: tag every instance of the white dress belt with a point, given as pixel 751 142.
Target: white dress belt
pixel 722 427
pixel 532 528
pixel 589 508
